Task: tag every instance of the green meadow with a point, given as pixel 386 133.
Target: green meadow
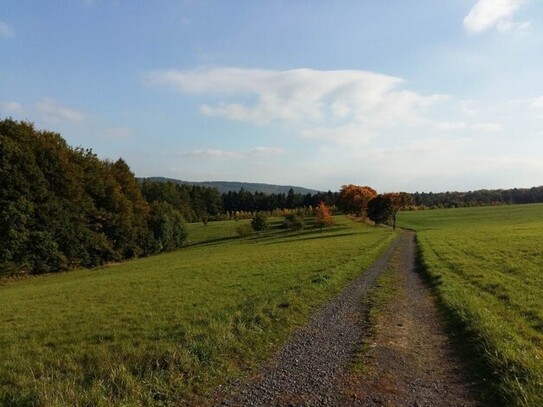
pixel 166 330
pixel 487 268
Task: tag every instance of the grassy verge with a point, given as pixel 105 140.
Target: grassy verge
pixel 386 287
pixel 166 330
pixel 486 266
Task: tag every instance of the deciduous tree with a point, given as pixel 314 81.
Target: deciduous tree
pixel 354 199
pixel 323 216
pixel 384 208
pixel 399 201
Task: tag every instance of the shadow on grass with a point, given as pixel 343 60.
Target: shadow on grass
pixel 211 242
pixel 467 344
pixel 299 237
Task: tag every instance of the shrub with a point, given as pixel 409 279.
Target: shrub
pixel 259 222
pixel 244 230
pixel 294 222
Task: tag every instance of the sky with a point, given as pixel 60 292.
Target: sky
pixel 415 95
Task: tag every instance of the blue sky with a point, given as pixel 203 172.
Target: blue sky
pixel 401 95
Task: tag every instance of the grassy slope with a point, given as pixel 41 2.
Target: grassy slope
pixel 171 327
pixel 488 267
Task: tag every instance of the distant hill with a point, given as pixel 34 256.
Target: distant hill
pixel 225 186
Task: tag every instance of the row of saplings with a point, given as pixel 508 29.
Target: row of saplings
pixel 362 202
pixel 293 221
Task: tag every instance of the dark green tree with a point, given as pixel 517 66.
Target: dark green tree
pixel 167 226
pixel 380 209
pixel 294 222
pixel 259 222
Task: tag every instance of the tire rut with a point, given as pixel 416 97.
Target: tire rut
pixel 411 361
pixel 306 371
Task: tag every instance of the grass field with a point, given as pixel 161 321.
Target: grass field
pixel 487 266
pixel 166 330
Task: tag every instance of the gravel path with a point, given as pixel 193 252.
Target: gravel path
pixel 411 361
pixel 305 371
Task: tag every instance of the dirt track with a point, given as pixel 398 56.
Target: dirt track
pixel 410 361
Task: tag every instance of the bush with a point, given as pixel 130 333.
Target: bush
pixel 244 230
pixel 167 226
pixel 294 222
pixel 259 222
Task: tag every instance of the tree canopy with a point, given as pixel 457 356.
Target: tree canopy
pixel 354 199
pixel 63 207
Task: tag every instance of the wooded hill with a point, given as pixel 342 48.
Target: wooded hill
pixel 229 186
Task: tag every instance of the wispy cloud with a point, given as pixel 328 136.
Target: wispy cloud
pixel 11 107
pixel 230 154
pixel 320 102
pixel 119 132
pixel 536 103
pixel 490 127
pixel 213 153
pixel 6 31
pixel 445 126
pixel 266 151
pixel 47 111
pixel 52 112
pixel 486 14
pixel 486 127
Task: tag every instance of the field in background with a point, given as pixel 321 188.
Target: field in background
pixel 487 266
pixel 167 329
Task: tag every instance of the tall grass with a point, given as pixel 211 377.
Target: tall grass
pixel 487 267
pixel 166 330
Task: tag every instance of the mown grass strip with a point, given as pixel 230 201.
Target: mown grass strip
pixel 485 265
pixel 166 330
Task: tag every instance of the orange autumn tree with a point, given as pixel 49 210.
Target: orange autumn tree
pixel 354 199
pixel 323 216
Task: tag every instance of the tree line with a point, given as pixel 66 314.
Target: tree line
pixel 483 197
pixel 63 207
pixel 201 204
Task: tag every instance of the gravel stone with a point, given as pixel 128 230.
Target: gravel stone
pixel 409 362
pixel 305 371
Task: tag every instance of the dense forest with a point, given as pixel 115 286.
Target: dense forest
pixel 226 186
pixel 482 197
pixel 63 207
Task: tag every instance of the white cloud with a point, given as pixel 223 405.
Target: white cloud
pixel 229 154
pixel 11 107
pixel 359 133
pixel 6 30
pixel 299 94
pixel 45 112
pixel 266 150
pixel 214 153
pixel 486 14
pixel 536 103
pixel 490 127
pixel 52 112
pixel 451 126
pixel 324 104
pixel 119 132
